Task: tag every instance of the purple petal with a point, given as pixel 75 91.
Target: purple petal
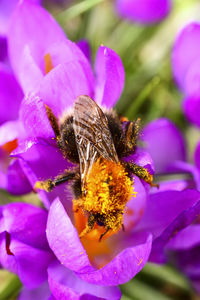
pixel 29 263
pixel 185 239
pixel 182 221
pixel 85 48
pixel 191 108
pixel 17 183
pixel 32 263
pixel 40 28
pixel 30 75
pixel 164 207
pixel 123 267
pixel 65 243
pixel 68 52
pixel 192 78
pixel 26 223
pixel 11 95
pixel 156 136
pixel 59 89
pixel 3 49
pixel 110 77
pixel 6 261
pixel 197 156
pixel 185 52
pixel 10 131
pixel 141 158
pixel 64 240
pixel 173 185
pixel 6 8
pixel 143 11
pixel 185 167
pixel 189 262
pixel 34 118
pixel 41 293
pixel 37 164
pixel 136 206
pixel 64 284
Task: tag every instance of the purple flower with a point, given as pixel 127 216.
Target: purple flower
pixel 12 177
pixel 156 136
pixel 6 9
pixel 23 242
pixel 25 251
pixel 143 11
pixel 183 246
pixel 53 71
pixel 185 64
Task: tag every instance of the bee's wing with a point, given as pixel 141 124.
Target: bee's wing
pixel 93 136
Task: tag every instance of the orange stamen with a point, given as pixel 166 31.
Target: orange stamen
pixel 91 240
pixel 48 65
pixel 10 146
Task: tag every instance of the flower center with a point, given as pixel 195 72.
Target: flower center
pixel 108 188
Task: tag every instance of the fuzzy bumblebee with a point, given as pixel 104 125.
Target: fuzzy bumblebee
pixel 97 141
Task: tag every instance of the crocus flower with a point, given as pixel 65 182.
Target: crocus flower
pixel 12 177
pixel 23 242
pixel 53 71
pixel 183 248
pixel 167 147
pixel 185 65
pixel 6 9
pixel 25 251
pixel 143 11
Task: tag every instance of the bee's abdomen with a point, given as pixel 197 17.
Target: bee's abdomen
pixel 108 188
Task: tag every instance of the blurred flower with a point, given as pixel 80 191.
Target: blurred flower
pixel 143 11
pixel 185 64
pixel 6 9
pixel 184 252
pixel 182 248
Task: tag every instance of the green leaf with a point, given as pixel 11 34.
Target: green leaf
pixel 77 9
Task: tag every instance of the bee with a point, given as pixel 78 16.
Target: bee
pixel 97 141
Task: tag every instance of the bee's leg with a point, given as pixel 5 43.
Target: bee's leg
pixel 49 184
pixel 53 121
pixel 131 134
pixel 123 227
pixel 102 235
pixel 89 226
pixel 141 172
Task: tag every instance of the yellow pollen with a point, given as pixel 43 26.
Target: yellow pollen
pixel 48 65
pixel 108 188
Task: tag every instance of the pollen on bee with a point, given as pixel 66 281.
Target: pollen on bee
pixel 108 190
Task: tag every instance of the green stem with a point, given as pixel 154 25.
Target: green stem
pixel 12 288
pixel 133 109
pixel 77 9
